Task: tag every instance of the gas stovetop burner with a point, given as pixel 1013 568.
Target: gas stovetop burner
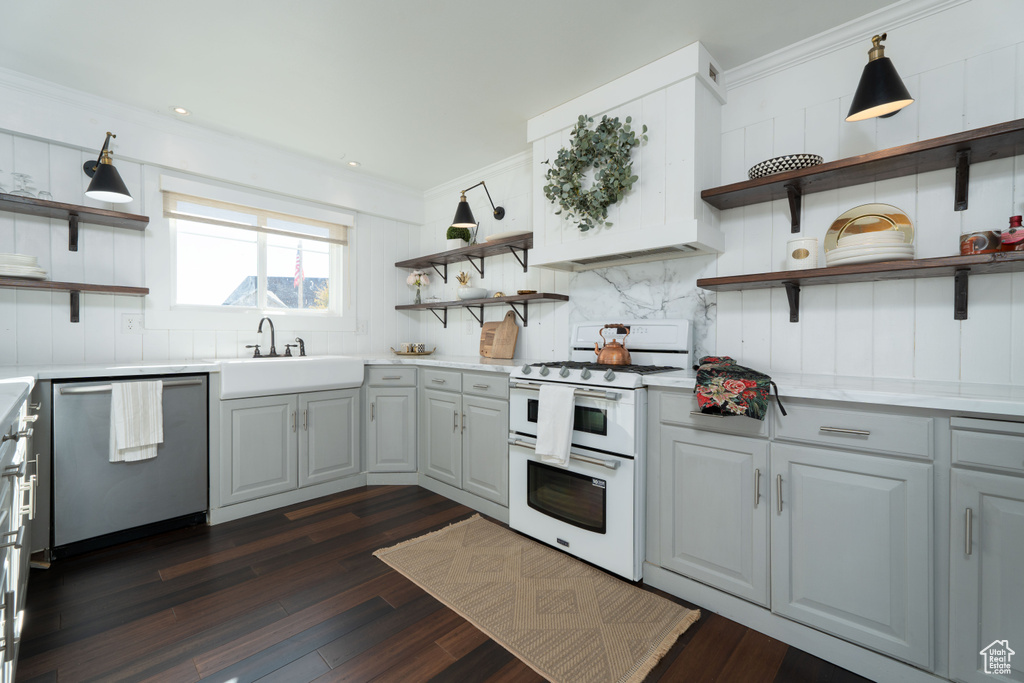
pixel 600 367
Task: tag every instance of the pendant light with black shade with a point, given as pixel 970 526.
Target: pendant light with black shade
pixel 106 184
pixel 881 92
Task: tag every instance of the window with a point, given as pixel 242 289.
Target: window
pixel 230 255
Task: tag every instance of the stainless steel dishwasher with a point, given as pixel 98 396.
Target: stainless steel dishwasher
pixel 97 502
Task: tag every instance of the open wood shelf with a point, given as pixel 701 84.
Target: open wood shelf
pixel 518 246
pixel 521 300
pixel 958 267
pixel 958 150
pixel 75 288
pixel 73 214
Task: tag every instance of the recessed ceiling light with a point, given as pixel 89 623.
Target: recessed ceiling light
pixel 354 163
pixel 181 111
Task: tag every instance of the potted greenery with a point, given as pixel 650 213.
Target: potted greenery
pixel 458 237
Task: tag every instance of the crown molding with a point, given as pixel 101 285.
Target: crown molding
pixel 507 164
pixel 835 39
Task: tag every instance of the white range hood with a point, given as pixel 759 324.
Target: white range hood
pixel 679 98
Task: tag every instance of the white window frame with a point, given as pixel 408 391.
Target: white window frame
pixel 162 311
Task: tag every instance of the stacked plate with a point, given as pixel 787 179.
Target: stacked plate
pixel 21 265
pixel 888 245
pixel 869 233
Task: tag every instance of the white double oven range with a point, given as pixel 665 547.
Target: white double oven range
pixel 592 508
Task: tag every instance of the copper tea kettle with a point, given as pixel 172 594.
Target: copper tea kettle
pixel 613 352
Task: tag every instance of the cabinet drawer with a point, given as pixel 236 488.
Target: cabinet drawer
pixel 445 380
pixel 494 384
pixel 989 443
pixel 866 430
pixel 393 376
pixel 680 408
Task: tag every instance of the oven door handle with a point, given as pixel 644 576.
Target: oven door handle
pixel 610 464
pixel 588 393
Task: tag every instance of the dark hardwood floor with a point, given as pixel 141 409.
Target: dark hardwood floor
pixel 295 595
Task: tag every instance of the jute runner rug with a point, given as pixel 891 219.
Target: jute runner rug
pixel 568 621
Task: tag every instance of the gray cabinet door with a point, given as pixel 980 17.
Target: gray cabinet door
pixel 714 509
pixel 391 432
pixel 442 436
pixel 987 585
pixel 485 448
pixel 851 547
pixel 259 447
pixel 329 435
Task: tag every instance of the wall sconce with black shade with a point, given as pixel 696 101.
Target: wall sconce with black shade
pixel 880 92
pixel 106 185
pixel 464 215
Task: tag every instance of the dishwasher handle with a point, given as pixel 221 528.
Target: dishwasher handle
pixel 105 388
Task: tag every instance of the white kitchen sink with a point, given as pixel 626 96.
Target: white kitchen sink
pixel 244 377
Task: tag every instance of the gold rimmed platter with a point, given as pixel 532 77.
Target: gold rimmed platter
pixel 869 218
pixel 413 353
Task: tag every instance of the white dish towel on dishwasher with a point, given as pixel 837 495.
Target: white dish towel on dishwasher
pixel 136 420
pixel 555 412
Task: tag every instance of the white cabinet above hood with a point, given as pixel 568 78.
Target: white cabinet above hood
pixel 679 99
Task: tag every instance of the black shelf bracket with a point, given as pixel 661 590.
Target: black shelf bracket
pixel 963 179
pixel 526 256
pixel 795 195
pixel 75 303
pixel 960 294
pixel 443 273
pixel 479 318
pixel 73 232
pixel 524 315
pixel 442 316
pixel 480 268
pixel 793 294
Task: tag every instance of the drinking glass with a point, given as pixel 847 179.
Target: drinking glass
pixel 21 185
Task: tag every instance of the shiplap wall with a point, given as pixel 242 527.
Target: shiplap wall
pixel 901 329
pixel 509 182
pixel 35 327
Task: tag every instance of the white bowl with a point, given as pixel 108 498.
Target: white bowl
pixel 471 293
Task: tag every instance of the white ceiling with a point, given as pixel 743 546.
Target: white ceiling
pixel 418 91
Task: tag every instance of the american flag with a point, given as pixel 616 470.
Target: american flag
pixel 299 275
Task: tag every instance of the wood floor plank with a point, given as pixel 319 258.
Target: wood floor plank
pixel 756 659
pixel 304 668
pixel 285 595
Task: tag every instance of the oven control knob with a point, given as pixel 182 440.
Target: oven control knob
pixel 544 371
pixel 609 375
pixel 526 369
pixel 585 374
pixel 564 372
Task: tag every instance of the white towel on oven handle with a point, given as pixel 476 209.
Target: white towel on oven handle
pixel 136 420
pixel 555 412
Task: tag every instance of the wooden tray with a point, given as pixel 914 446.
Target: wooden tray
pixel 413 353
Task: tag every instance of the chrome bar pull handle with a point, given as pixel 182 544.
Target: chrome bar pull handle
pixel 968 531
pixel 373 411
pixel 293 420
pixel 481 386
pixel 455 420
pixel 9 619
pixel 843 430
pixel 15 471
pixel 392 377
pixel 757 487
pixel 463 423
pixel 305 419
pixel 35 406
pixel 439 381
pixel 104 388
pixel 778 493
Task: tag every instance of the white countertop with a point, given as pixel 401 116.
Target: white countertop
pixel 997 399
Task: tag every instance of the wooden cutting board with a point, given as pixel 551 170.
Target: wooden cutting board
pixel 487 333
pixel 505 337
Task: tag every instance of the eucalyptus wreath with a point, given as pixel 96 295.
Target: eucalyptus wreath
pixel 607 148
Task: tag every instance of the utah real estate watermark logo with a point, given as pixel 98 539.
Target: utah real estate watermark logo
pixel 997 657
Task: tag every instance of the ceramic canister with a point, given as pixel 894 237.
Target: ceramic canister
pixel 802 253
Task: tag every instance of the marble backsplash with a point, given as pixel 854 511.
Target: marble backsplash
pixel 654 290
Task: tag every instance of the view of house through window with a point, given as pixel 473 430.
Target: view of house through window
pixel 230 255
